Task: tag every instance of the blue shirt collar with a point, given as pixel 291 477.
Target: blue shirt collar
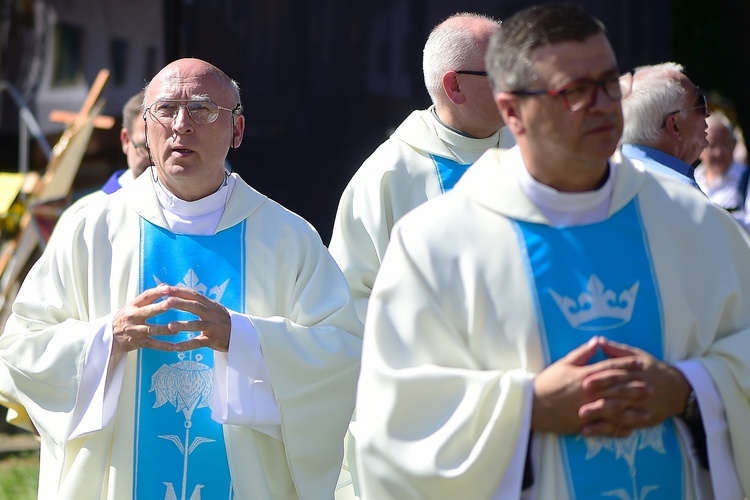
pixel 640 151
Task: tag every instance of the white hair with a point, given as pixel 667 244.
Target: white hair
pixel 657 91
pixel 452 45
pixel 719 118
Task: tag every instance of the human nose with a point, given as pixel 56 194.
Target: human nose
pixel 182 121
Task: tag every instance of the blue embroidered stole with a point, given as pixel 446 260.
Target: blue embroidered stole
pixel 591 280
pixel 179 450
pixel 448 172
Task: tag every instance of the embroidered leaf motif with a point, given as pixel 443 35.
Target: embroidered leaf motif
pixel 621 494
pixel 646 490
pixel 170 494
pixel 197 492
pixel 197 441
pixel 175 440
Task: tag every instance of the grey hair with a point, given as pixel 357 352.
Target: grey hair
pixel 236 90
pixel 132 111
pixel 451 45
pixel 657 91
pixel 508 58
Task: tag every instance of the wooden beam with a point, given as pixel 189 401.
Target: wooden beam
pixel 69 117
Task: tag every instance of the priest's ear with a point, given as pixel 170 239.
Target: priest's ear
pixel 452 88
pixel 509 106
pixel 238 129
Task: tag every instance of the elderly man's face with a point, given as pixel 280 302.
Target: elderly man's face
pixel 189 155
pixel 692 123
pixel 134 147
pixel 719 153
pixel 559 143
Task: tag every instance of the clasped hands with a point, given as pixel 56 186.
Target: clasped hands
pixel 131 329
pixel 629 390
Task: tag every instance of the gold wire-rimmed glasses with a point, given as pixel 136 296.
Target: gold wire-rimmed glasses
pixel 201 111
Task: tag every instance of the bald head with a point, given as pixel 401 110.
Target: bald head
pixel 183 73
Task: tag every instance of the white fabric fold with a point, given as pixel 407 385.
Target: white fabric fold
pixel 726 483
pixel 101 381
pixel 243 394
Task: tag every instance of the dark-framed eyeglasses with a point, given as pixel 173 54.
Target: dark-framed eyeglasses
pixel 701 105
pixel 201 112
pixel 581 94
pixel 471 72
pixel 141 149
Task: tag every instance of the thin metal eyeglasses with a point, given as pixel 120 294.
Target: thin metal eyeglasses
pixel 581 94
pixel 702 105
pixel 471 72
pixel 141 149
pixel 201 112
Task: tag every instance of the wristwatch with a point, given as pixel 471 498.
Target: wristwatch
pixel 692 412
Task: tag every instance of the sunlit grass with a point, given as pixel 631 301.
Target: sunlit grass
pixel 19 475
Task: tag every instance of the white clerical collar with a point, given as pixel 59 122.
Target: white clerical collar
pixel 567 209
pixel 194 217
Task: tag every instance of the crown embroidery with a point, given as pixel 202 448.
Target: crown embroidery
pixel 192 282
pixel 597 308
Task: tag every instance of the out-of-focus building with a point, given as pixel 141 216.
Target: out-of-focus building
pixel 323 81
pixel 51 51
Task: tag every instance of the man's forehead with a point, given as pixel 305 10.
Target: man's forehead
pixel 567 61
pixel 174 83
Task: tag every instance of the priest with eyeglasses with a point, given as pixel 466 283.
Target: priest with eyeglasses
pixel 186 337
pixel 562 324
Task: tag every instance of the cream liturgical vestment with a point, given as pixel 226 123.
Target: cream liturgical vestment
pixel 478 293
pixel 295 300
pixel 422 159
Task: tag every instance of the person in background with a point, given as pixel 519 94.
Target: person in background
pixel 185 336
pixel 133 142
pixel 665 121
pixel 561 324
pixel 426 154
pixel 718 175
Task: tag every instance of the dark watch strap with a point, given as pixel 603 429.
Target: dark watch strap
pixel 692 418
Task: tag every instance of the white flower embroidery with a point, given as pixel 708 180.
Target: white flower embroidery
pixel 627 448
